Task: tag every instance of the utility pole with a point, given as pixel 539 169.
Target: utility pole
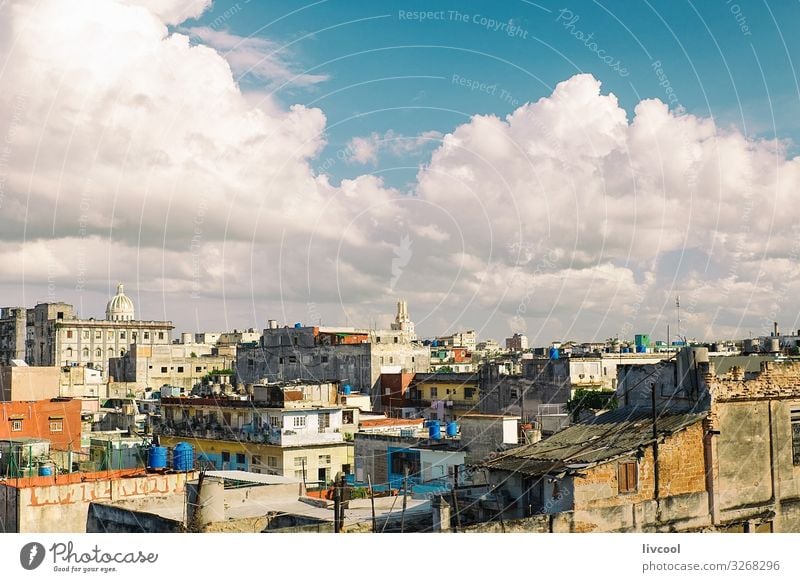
pixel 405 494
pixel 337 506
pixel 372 502
pixel 455 498
pixel 655 440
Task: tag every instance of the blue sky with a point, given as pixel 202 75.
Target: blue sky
pixel 387 70
pixel 237 161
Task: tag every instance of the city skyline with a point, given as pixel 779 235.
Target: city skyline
pixel 548 171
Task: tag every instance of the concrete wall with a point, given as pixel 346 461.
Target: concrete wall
pixel 105 518
pixel 45 507
pixel 29 382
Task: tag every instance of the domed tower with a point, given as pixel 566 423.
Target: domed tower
pixel 120 308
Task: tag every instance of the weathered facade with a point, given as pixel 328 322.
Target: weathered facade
pixel 720 453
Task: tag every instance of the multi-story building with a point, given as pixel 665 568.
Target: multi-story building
pixel 352 356
pixel 517 343
pixel 292 429
pixel 13 322
pixel 459 339
pixel 449 359
pixel 152 366
pixel 55 336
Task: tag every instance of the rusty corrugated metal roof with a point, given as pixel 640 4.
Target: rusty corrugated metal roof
pixel 603 438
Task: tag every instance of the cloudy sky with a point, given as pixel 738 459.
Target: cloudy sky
pixel 561 171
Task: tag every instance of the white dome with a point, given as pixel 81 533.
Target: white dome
pixel 120 308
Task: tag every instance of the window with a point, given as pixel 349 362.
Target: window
pixel 98 334
pixel 469 393
pixel 163 369
pixel 300 461
pixel 198 369
pixel 272 462
pixel 324 359
pixel 295 340
pixel 280 360
pixel 275 421
pixel 161 335
pixel 59 315
pixel 434 392
pixel 396 339
pixel 147 335
pixel 299 474
pixel 324 459
pixel 240 458
pixel 324 421
pixel 347 417
pixel 255 460
pixel 85 353
pixel 110 352
pixel 795 418
pixel 180 369
pixel 299 421
pixel 513 394
pixel 226 457
pixel 110 335
pixel 628 477
pixel 98 353
pixel 134 335
pixel 85 334
pixel 68 353
pixel 16 425
pixel 391 359
pixel 69 334
pixel 122 335
pixel 292 359
pixel 56 425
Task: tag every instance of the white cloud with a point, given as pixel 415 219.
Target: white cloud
pixel 258 57
pixel 366 149
pixel 144 161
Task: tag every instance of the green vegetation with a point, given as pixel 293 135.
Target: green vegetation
pixel 591 400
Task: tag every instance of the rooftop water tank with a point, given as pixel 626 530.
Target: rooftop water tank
pixel 183 457
pixel 553 353
pixel 347 389
pixel 157 457
pixel 45 470
pixel 452 428
pixel 298 325
pixel 434 430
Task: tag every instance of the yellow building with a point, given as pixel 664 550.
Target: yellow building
pixel 293 430
pixel 447 395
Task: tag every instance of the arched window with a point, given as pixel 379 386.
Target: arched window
pixel 86 353
pixel 110 352
pixel 68 353
pixel 98 353
pixel 122 352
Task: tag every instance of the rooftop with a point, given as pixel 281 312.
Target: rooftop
pixel 603 438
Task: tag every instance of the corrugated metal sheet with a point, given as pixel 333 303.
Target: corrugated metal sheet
pixel 605 437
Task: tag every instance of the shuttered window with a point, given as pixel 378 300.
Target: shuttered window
pixel 628 477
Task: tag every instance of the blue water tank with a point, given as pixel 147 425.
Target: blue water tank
pixel 553 353
pixel 183 457
pixel 298 325
pixel 452 428
pixel 347 389
pixel 641 349
pixel 45 471
pixel 434 430
pixel 157 457
pixel 626 350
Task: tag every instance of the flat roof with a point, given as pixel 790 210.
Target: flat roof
pixel 248 477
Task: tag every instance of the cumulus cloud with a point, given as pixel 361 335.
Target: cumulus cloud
pixel 143 161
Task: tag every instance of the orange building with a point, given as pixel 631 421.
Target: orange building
pixel 57 420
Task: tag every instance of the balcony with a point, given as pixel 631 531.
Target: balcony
pixel 263 435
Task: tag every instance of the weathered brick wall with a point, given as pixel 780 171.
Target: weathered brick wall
pixel 776 380
pixel 681 471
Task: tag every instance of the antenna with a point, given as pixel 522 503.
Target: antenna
pixel 678 308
